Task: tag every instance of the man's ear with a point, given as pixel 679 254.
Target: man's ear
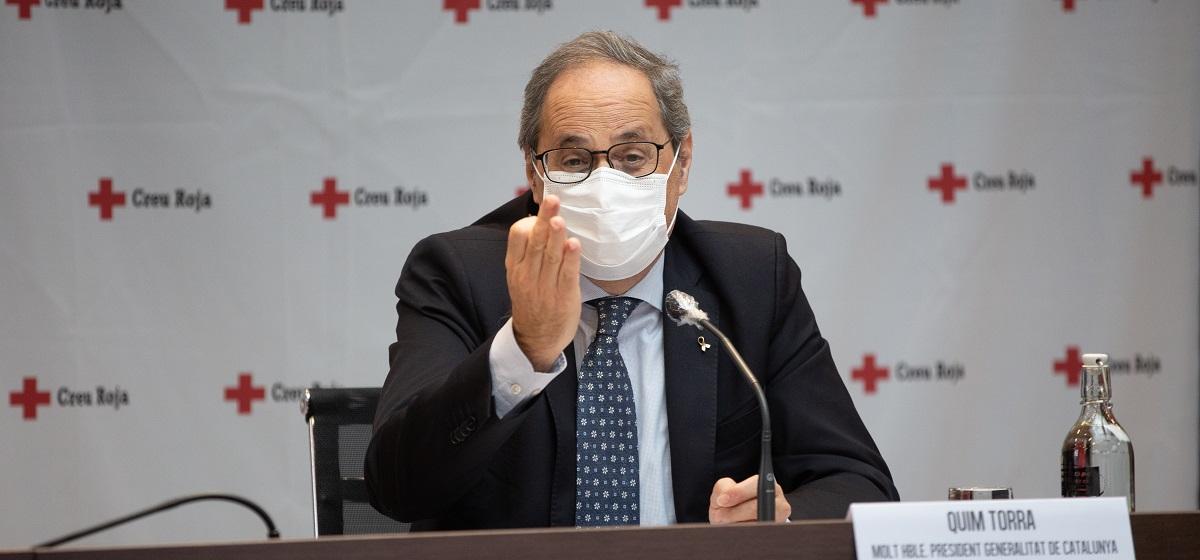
pixel 535 182
pixel 684 163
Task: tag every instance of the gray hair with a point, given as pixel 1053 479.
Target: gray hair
pixel 609 46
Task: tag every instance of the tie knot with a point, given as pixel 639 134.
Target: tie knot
pixel 613 313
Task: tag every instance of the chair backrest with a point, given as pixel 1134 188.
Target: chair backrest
pixel 339 429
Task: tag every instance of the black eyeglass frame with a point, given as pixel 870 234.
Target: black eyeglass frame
pixel 593 153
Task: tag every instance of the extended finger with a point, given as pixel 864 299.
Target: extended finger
pixel 549 208
pixel 738 493
pixel 568 273
pixel 553 256
pixel 536 247
pixel 518 238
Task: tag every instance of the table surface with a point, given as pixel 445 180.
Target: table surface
pixel 1167 535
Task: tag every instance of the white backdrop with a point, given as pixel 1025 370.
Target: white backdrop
pixel 122 339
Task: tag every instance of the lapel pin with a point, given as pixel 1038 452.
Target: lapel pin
pixel 704 346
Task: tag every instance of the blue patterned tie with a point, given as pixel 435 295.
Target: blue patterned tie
pixel 606 445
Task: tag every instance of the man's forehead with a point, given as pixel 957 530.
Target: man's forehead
pixel 601 102
pixel 570 138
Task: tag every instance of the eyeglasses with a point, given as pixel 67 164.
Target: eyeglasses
pixel 572 165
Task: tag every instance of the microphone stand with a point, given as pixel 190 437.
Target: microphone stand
pixel 766 472
pixel 271 532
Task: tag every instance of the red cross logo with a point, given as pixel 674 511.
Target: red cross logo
pixel 868 6
pixel 330 198
pixel 24 7
pixel 1146 178
pixel 1071 366
pixel 745 188
pixel 29 398
pixel 245 393
pixel 948 183
pixel 106 199
pixel 244 8
pixel 664 7
pixel 870 373
pixel 460 8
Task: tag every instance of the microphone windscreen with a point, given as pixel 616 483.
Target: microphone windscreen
pixel 683 309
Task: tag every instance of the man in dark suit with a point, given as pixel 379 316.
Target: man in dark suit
pixel 534 380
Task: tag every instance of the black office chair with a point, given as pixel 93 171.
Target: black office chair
pixel 339 429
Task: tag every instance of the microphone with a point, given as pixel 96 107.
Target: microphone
pixel 262 514
pixel 684 310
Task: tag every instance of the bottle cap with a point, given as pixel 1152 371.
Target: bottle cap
pixel 1095 360
pixel 1094 385
pixel 976 493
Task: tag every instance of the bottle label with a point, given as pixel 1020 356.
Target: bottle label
pixel 1080 481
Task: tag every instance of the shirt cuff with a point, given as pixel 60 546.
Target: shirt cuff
pixel 513 379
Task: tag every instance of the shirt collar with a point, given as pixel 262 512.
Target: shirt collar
pixel 649 289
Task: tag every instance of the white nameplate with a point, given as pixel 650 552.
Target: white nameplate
pixel 1058 529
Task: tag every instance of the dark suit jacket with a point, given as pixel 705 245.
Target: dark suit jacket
pixel 439 455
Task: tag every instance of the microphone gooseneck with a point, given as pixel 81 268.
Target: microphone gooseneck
pixel 684 310
pixel 272 533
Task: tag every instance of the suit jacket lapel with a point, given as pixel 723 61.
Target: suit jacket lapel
pixel 691 391
pixel 560 397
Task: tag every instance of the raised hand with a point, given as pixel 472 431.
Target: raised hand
pixel 543 283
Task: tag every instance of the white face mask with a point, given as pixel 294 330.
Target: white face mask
pixel 620 220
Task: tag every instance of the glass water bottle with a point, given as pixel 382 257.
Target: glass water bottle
pixel 1097 456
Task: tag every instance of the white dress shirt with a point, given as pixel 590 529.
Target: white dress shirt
pixel 641 344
